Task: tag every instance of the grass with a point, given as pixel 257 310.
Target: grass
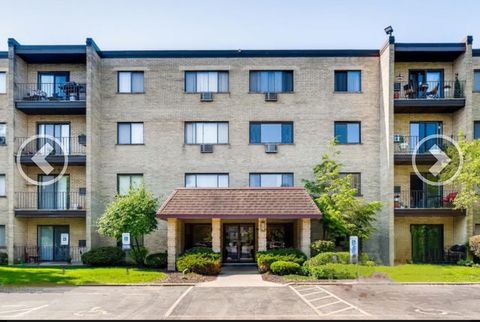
pixel 45 276
pixel 413 273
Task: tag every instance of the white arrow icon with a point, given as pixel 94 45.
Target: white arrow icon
pixel 442 160
pixel 40 158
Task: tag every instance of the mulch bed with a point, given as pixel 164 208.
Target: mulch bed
pixel 179 278
pixel 375 278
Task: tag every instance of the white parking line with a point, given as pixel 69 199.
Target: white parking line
pixel 174 305
pixel 335 300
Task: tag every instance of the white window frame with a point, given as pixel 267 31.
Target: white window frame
pixel 131 138
pixel 130 177
pixel 192 130
pixel 129 85
pixel 3 82
pixel 197 175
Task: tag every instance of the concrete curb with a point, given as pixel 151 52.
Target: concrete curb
pixel 344 283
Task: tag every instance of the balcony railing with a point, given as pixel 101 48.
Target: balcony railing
pixel 37 254
pixel 424 199
pixel 69 146
pixel 406 144
pixel 49 201
pixel 70 91
pixel 429 90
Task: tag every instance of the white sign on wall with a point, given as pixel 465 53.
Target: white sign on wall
pixel 126 241
pixel 64 239
pixel 353 249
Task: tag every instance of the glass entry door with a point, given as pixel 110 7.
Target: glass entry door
pixel 427 243
pixel 239 243
pixel 50 246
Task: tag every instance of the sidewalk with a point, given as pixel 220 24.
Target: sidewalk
pixel 239 276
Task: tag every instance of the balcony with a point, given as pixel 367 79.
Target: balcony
pixel 73 147
pixel 405 146
pixel 67 98
pixel 49 205
pixel 39 254
pixel 429 97
pixel 426 202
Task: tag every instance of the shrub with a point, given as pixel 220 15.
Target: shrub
pixel 364 258
pixel 104 256
pixel 370 263
pixel 333 271
pixel 322 246
pixel 285 268
pixel 328 258
pixel 204 264
pixel 474 243
pixel 200 250
pixel 3 259
pixel 267 258
pixel 138 254
pixel 156 260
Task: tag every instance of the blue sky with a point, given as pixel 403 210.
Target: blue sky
pixel 235 24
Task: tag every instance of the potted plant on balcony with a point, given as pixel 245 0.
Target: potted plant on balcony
pixel 458 91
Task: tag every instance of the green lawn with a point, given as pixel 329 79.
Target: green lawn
pixel 415 273
pixel 76 275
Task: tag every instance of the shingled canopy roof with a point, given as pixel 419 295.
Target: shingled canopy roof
pixel 282 203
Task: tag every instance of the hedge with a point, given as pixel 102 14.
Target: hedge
pixel 104 256
pixel 328 258
pixel 285 268
pixel 200 263
pixel 267 258
pixel 322 246
pixel 333 271
pixel 156 260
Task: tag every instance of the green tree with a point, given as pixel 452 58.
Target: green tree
pixel 467 182
pixel 133 213
pixel 344 213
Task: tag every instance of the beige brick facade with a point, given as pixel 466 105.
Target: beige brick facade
pixel 164 158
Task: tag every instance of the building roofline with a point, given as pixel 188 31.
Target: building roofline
pixel 3 54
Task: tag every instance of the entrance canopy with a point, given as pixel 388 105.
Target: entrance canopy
pixel 239 203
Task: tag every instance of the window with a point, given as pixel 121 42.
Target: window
pixel 356 180
pixel 130 82
pixel 270 132
pixel 212 180
pixel 206 132
pixel 3 134
pixel 271 179
pixel 130 133
pixel 271 81
pixel 125 182
pixel 3 236
pixel 204 82
pixel 476 130
pixel 3 191
pixel 476 81
pixel 347 132
pixel 3 82
pixel 348 81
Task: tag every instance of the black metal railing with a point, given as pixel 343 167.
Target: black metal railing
pixel 64 146
pixel 70 91
pixel 407 144
pixel 436 198
pixel 429 90
pixel 38 254
pixel 45 200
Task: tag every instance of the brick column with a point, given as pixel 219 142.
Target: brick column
pixel 172 231
pixel 304 238
pixel 216 235
pixel 262 234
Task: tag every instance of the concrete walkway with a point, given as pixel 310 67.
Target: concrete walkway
pixel 239 276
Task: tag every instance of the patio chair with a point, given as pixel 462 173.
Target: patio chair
pixel 433 93
pixel 408 91
pixel 448 199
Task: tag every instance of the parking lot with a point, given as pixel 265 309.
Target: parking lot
pixel 289 302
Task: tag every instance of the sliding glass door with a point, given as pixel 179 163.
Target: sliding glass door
pixel 427 83
pixel 52 83
pixel 60 131
pixel 54 196
pixel 50 246
pixel 421 130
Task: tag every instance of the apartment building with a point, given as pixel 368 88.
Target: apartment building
pixel 197 127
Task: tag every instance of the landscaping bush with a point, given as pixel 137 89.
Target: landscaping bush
pixel 3 259
pixel 370 263
pixel 156 260
pixel 328 258
pixel 333 271
pixel 104 256
pixel 267 258
pixel 138 255
pixel 200 263
pixel 364 258
pixel 200 250
pixel 285 268
pixel 322 246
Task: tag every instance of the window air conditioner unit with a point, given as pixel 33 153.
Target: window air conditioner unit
pixel 206 97
pixel 271 97
pixel 271 148
pixel 206 148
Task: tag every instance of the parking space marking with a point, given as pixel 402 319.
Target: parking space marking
pixel 21 310
pixel 322 308
pixel 174 305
